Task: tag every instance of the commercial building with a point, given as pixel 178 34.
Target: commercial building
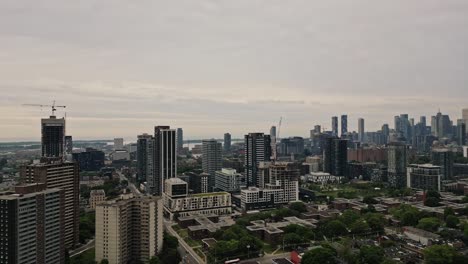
pixel 441 126
pixel 212 159
pixel 120 154
pixel 129 229
pixel 335 126
pixel 68 145
pixel 461 132
pixel 31 225
pixel 118 143
pixel 198 182
pixel 96 197
pixel 227 142
pixel 165 159
pixel 178 202
pixel 90 159
pixel 53 137
pixel 65 176
pixel 180 140
pixel 257 149
pixel 335 156
pixel 254 198
pixel 444 158
pixel 424 177
pixel 227 180
pixel 344 125
pixel 273 132
pixel 145 157
pixel 361 130
pixel 397 164
pixel 291 146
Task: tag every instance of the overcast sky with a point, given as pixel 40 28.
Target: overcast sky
pixel 211 67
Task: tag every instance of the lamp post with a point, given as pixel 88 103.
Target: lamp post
pixel 248 251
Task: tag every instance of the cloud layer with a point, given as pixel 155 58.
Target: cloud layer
pixel 215 66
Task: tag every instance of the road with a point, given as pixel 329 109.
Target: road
pixel 131 186
pixel 83 248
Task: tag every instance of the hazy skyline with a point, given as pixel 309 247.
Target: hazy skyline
pixel 211 67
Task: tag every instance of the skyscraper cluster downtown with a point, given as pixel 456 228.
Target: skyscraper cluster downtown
pixel 162 185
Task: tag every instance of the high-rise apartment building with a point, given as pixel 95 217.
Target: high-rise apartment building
pixel 397 164
pixel 465 115
pixel 118 143
pixel 273 132
pixel 286 176
pixel 31 225
pixel 145 158
pixel 129 230
pixel 68 145
pixel 227 142
pixel 165 158
pixel 335 126
pixel 444 158
pixel 180 140
pixel 65 176
pixel 212 159
pixel 344 125
pixel 53 137
pixel 461 132
pixel 257 149
pixel 424 177
pixel 228 180
pixel 361 130
pixel 335 156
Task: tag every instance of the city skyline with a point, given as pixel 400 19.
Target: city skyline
pixel 128 66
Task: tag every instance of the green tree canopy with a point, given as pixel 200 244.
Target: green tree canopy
pixel 371 255
pixel 452 221
pixel 349 217
pixel 440 254
pixel 335 228
pixel 359 227
pixel 320 255
pixel 430 224
pixel 376 221
pixel 298 206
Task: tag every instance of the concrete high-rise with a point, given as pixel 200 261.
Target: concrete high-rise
pixel 53 137
pixel 461 132
pixel 465 115
pixel 180 140
pixel 145 157
pixel 65 176
pixel 165 158
pixel 273 132
pixel 129 230
pixel 118 143
pixel 397 164
pixel 335 126
pixel 227 142
pixel 212 159
pixel 286 175
pixel 444 158
pixel 335 156
pixel 344 125
pixel 31 221
pixel 257 149
pixel 361 130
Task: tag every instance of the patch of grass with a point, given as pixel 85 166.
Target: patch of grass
pixel 269 248
pixel 86 257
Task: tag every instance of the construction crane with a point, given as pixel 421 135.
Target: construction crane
pixel 53 106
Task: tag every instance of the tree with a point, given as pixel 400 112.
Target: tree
pixel 153 260
pixel 430 224
pixel 320 255
pixel 448 211
pixel 293 239
pixel 439 254
pixel 298 206
pixel 371 255
pixel 452 221
pixel 369 200
pixel 105 261
pixel 359 227
pixel 335 228
pixel 349 217
pixel 375 221
pixel 432 202
pixel 409 218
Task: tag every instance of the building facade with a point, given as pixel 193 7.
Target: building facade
pixel 444 158
pixel 53 137
pixel 424 177
pixel 335 156
pixel 65 176
pixel 96 197
pixel 344 125
pixel 165 158
pixel 227 142
pixel 145 158
pixel 257 149
pixel 361 130
pixel 397 164
pixel 90 159
pixel 212 159
pixel 228 180
pixel 31 225
pixel 129 229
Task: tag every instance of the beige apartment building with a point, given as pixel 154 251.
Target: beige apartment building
pixel 96 197
pixel 129 229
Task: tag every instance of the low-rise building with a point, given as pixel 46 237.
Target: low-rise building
pixel 424 237
pixel 424 177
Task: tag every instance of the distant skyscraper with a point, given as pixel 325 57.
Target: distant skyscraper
pixel 53 137
pixel 68 145
pixel 397 164
pixel 273 131
pixel 227 142
pixel 145 158
pixel 335 126
pixel 461 132
pixel 165 158
pixel 257 149
pixel 317 129
pixel 335 156
pixel 465 115
pixel 361 130
pixel 441 126
pixel 180 140
pixel 65 176
pixel 32 225
pixel 422 121
pixel 212 159
pixel 386 132
pixel 344 125
pixel 129 230
pixel 118 143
